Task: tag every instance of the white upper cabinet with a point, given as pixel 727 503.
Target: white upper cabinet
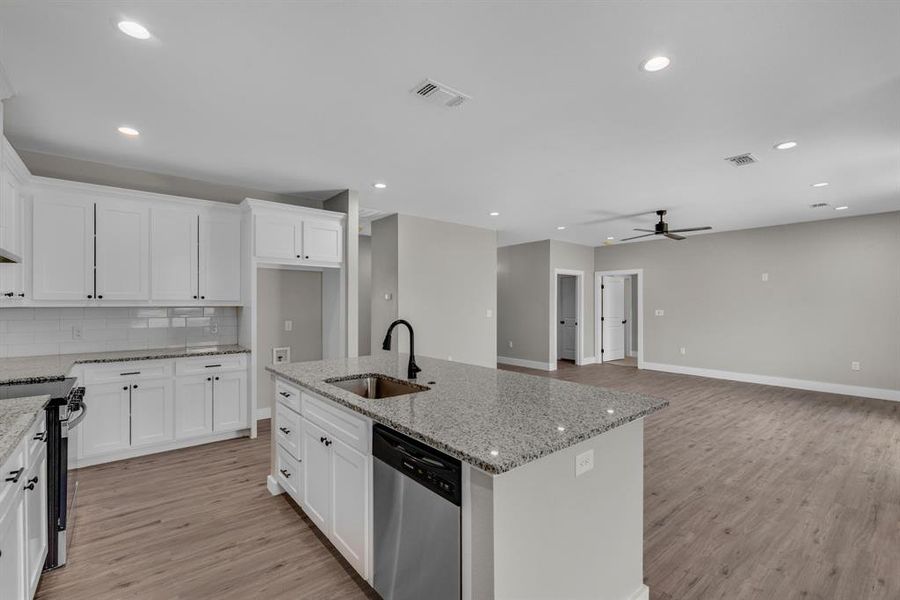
pixel 275 238
pixel 293 235
pixel 173 254
pixel 63 248
pixel 220 257
pixel 322 241
pixel 10 213
pixel 123 250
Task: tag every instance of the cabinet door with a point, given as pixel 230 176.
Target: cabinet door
pixel 152 408
pixel 10 213
pixel 123 250
pixel 229 401
pixel 35 500
pixel 322 241
pixel 12 550
pixel 349 508
pixel 316 488
pixel 173 254
pixel 63 249
pixel 220 258
pixel 105 427
pixel 193 406
pixel 12 284
pixel 275 238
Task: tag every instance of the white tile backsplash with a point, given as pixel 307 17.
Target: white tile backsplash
pixel 37 331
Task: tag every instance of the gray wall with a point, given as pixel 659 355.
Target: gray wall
pixel 565 255
pixel 442 278
pixel 523 301
pixel 286 295
pixel 73 169
pixel 832 297
pixel 365 295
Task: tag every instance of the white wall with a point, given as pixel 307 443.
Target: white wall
pixel 523 301
pixel 365 295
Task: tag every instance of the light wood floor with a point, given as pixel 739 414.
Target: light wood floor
pixel 751 492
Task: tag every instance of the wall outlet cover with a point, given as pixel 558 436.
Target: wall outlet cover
pixel 281 355
pixel 659 312
pixel 288 325
pixel 584 462
pixel 77 332
pixel 765 276
pixel 489 313
pixel 854 366
pixel 510 343
pixel 683 350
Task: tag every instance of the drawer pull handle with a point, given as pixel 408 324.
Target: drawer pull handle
pixel 211 366
pixel 285 473
pixel 14 475
pixel 31 483
pixel 130 373
pixel 285 430
pixel 40 437
pixel 285 394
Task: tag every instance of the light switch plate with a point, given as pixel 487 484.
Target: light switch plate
pixel 854 366
pixel 765 276
pixel 584 462
pixel 659 312
pixel 489 313
pixel 288 325
pixel 77 332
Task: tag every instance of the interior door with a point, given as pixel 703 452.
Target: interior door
pixel 567 317
pixel 173 254
pixel 105 427
pixel 229 401
pixel 613 315
pixel 316 475
pixel 193 406
pixel 63 249
pixel 220 258
pixel 322 241
pixel 152 407
pixel 123 251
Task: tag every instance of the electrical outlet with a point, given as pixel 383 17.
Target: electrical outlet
pixel 510 343
pixel 854 366
pixel 659 312
pixel 388 296
pixel 214 327
pixel 765 276
pixel 288 325
pixel 489 313
pixel 77 332
pixel 683 350
pixel 584 462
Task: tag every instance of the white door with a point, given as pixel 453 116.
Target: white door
pixel 35 489
pixel 229 401
pixel 316 475
pixel 567 317
pixel 322 241
pixel 63 249
pixel 12 549
pixel 123 250
pixel 275 238
pixel 173 254
pixel 105 427
pixel 613 317
pixel 193 406
pixel 152 412
pixel 349 513
pixel 220 258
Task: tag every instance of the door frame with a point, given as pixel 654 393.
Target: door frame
pixel 598 311
pixel 579 315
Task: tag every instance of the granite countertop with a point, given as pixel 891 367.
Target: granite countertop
pixel 16 416
pixel 494 420
pixel 33 369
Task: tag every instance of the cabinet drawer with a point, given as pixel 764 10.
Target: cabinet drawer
pixel 210 364
pixel 288 395
pixel 11 469
pixel 289 472
pixel 127 371
pixel 348 427
pixel 36 439
pixel 287 429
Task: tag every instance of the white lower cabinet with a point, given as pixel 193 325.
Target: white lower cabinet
pixel 193 406
pixel 35 506
pixel 334 488
pixel 12 549
pixel 229 401
pixel 152 410
pixel 106 424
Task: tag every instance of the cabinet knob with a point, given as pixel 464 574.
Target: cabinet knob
pixel 217 378
pixel 134 386
pixel 195 297
pixel 125 388
pixel 209 378
pixel 298 256
pixel 203 297
pixel 99 296
pixel 90 295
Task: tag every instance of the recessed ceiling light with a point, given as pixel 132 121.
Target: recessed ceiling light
pixel 841 207
pixel 379 185
pixel 560 428
pixel 561 227
pixel 495 452
pixel 657 63
pixel 135 30
pixel 820 184
pixel 787 145
pixel 131 131
pixel 494 214
pixel 610 411
pixel 610 238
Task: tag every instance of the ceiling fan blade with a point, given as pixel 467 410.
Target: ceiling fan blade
pixel 647 230
pixel 690 229
pixel 616 217
pixel 637 236
pixel 672 236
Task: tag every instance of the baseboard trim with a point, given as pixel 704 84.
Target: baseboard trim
pixel 273 486
pixel 588 360
pixel 263 413
pixel 642 594
pixel 75 463
pixel 632 353
pixel 528 364
pixel 800 384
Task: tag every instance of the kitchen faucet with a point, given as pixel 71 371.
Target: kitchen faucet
pixel 413 368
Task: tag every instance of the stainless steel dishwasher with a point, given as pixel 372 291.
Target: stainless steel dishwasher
pixel 417 519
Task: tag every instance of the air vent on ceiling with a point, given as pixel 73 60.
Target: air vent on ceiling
pixel 438 93
pixel 819 205
pixel 742 160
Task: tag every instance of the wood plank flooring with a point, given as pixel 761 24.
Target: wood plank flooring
pixel 751 492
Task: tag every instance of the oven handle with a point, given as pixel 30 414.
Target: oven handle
pixel 82 408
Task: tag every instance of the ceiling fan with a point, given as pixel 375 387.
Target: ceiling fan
pixel 662 228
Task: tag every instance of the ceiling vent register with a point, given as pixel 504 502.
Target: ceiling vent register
pixel 742 160
pixel 440 94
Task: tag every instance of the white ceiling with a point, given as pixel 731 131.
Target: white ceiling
pixel 563 126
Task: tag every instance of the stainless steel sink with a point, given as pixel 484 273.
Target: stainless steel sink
pixel 376 386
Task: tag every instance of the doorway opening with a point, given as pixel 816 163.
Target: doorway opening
pixel 619 330
pixel 567 316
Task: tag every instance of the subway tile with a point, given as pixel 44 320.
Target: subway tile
pixel 157 338
pixel 148 312
pixel 137 334
pixel 106 335
pixel 198 321
pixel 58 313
pixel 177 322
pixel 33 349
pixel 156 323
pixel 188 311
pixel 175 337
pixel 126 323
pixel 106 312
pixel 4 351
pixel 24 337
pixel 16 314
pixel 42 325
pixel 41 337
pixel 85 324
pixel 81 346
pixel 2 327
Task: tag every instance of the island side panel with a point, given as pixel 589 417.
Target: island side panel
pixel 561 536
pixel 477 534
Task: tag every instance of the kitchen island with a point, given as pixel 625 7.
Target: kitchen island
pixel 531 526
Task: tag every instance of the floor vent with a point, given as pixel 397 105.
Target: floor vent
pixel 742 160
pixel 438 93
